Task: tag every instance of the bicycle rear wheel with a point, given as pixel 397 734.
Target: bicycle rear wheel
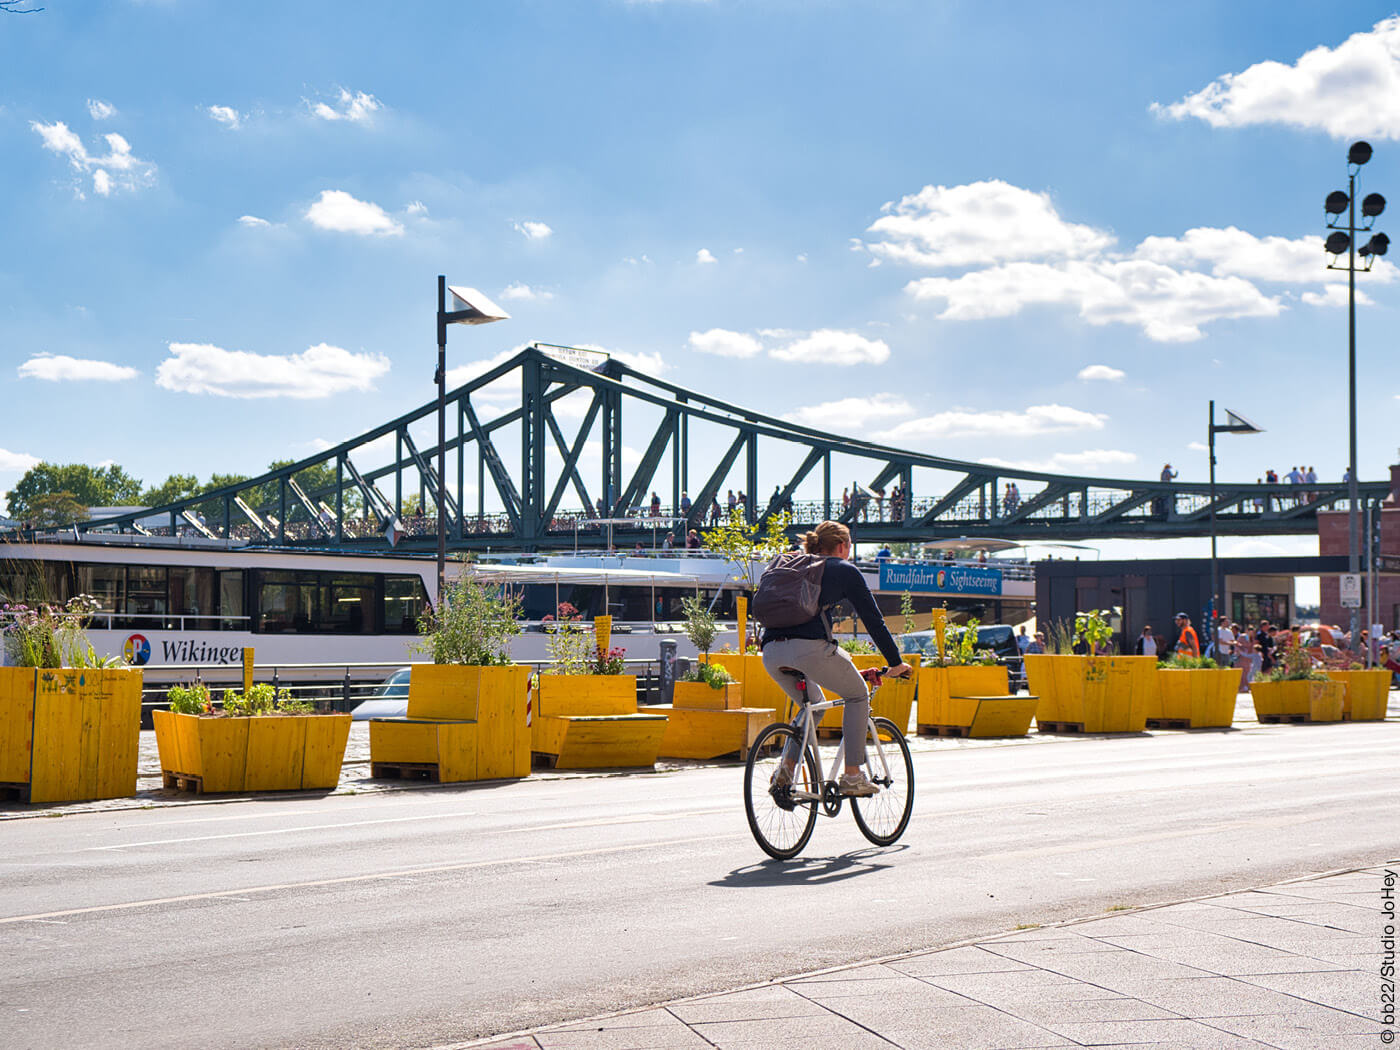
pixel 882 818
pixel 781 819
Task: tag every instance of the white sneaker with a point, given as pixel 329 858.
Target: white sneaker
pixel 856 785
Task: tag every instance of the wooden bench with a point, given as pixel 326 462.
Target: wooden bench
pixel 985 716
pixel 592 722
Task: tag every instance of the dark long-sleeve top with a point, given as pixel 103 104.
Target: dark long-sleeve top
pixel 842 581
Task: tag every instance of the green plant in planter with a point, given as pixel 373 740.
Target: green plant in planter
pixel 906 611
pixel 858 647
pixel 47 635
pixel 1059 638
pixel 1093 629
pixel 701 628
pixel 473 625
pixel 964 652
pixel 571 644
pixel 1184 662
pixel 1296 666
pixel 190 700
pixel 264 699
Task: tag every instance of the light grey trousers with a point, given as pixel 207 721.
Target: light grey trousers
pixel 829 666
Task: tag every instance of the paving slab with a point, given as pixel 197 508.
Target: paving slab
pixel 1287 967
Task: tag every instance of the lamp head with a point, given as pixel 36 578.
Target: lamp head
pixel 478 307
pixel 1336 202
pixel 1372 205
pixel 1377 245
pixel 1337 243
pixel 1359 153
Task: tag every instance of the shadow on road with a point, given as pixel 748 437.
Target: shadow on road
pixel 808 870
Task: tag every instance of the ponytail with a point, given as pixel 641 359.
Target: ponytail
pixel 826 538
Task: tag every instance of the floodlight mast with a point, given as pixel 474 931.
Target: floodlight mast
pixel 1338 242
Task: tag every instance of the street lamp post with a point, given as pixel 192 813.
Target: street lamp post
pixel 1344 240
pixel 1236 424
pixel 469 307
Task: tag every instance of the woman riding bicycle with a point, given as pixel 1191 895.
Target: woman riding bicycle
pixel 810 649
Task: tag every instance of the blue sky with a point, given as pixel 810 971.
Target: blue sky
pixel 1044 235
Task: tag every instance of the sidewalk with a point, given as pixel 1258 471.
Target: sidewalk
pixel 1292 967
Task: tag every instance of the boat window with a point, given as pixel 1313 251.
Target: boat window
pixel 404 598
pixel 347 606
pixel 106 583
pixel 146 595
pixel 231 601
pixel 192 595
pixel 288 602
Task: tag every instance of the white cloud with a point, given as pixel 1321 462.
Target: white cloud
pixel 852 413
pixel 319 371
pixel 1090 461
pixel 356 107
pixel 101 110
pixel 416 208
pixel 1335 295
pixel 466 373
pixel 525 292
pixel 724 343
pixel 1232 252
pixel 829 346
pixel 1112 375
pixel 338 211
pixel 253 222
pixel 704 256
pixel 979 224
pixel 1349 91
pixel 58 368
pixel 227 116
pixel 16 462
pixel 535 231
pixel 118 169
pixel 1169 305
pixel 1036 419
pixel 802 258
pixel 652 364
pixel 1196 446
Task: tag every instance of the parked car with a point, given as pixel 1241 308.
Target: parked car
pixel 1000 638
pixel 389 699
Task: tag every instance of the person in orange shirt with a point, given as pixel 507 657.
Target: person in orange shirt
pixel 1187 644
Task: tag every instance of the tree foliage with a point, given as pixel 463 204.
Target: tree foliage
pixel 83 485
pixel 749 547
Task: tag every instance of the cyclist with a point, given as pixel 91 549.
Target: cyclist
pixel 809 648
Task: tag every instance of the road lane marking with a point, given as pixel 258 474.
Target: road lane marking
pixel 273 831
pixel 382 876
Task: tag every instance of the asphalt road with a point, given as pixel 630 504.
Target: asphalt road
pixel 415 918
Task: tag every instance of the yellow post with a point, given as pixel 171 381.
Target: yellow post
pixel 247 669
pixel 940 627
pixel 741 605
pixel 602 630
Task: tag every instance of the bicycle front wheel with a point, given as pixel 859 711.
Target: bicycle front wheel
pixel 882 818
pixel 781 817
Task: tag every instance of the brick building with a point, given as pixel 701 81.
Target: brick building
pixel 1332 539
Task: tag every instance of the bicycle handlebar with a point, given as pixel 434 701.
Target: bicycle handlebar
pixel 874 674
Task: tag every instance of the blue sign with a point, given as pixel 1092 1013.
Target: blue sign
pixel 940 579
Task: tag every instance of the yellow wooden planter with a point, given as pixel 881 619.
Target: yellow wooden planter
pixel 893 700
pixel 707 733
pixel 69 734
pixel 1302 701
pixel 1200 698
pixel 1100 694
pixel 759 688
pixel 209 753
pixel 703 696
pixel 1367 694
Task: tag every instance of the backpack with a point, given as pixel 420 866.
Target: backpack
pixel 789 591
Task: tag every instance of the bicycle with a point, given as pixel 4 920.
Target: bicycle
pixel 782 817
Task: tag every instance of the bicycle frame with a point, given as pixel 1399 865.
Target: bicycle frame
pixel 809 714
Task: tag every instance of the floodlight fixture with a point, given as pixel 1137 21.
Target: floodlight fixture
pixel 1359 153
pixel 472 307
pixel 1377 245
pixel 1239 425
pixel 1337 243
pixel 1336 202
pixel 1372 205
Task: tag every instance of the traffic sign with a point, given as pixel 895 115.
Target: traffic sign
pixel 1351 590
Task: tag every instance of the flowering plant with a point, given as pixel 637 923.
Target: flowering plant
pixel 52 635
pixel 473 625
pixel 611 662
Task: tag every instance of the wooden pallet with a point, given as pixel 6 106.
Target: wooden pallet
pixel 14 792
pixel 1059 727
pixel 182 781
pixel 1292 720
pixel 543 760
pixel 945 730
pixel 1169 723
pixel 405 771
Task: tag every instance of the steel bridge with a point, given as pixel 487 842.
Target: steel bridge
pixel 555 441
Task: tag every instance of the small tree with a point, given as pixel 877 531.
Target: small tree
pixel 700 628
pixel 748 546
pixel 906 611
pixel 473 625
